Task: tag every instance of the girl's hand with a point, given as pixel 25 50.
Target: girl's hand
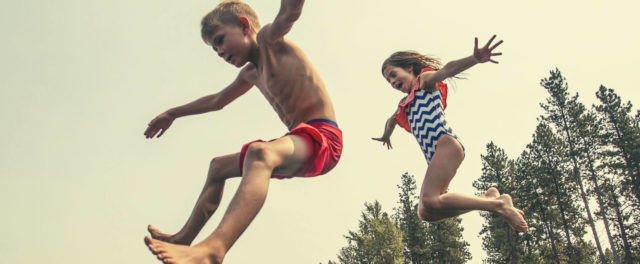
pixel 159 124
pixel 484 54
pixel 385 141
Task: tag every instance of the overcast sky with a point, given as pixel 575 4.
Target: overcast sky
pixel 79 81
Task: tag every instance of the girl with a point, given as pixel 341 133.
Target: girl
pixel 421 112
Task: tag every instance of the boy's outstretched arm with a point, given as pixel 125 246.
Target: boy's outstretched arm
pixel 428 80
pixel 208 103
pixel 289 13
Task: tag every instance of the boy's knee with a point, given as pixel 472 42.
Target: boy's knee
pixel 215 170
pixel 259 151
pixel 427 209
pixel 214 165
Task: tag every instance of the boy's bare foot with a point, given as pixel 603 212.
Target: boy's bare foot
pixel 174 239
pixel 179 254
pixel 512 215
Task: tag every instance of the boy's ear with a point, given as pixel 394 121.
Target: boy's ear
pixel 245 25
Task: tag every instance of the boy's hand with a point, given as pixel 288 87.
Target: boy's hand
pixel 159 124
pixel 484 54
pixel 385 141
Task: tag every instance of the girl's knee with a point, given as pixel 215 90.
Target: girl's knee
pixel 427 209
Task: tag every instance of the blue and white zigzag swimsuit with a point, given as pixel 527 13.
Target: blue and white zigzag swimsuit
pixel 426 118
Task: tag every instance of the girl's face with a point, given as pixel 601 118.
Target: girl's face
pixel 401 79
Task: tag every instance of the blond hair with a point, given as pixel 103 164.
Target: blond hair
pixel 228 12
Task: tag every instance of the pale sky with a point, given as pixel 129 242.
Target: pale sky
pixel 81 79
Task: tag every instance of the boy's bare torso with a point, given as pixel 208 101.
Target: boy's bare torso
pixel 289 82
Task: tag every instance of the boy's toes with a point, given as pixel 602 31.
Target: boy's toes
pixel 154 232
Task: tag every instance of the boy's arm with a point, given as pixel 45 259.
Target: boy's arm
pixel 289 13
pixel 205 104
pixel 389 126
pixel 213 102
pixel 428 80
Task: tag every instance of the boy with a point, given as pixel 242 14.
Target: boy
pixel 292 86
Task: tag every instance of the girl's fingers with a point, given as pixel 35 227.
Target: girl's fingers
pixel 495 45
pixel 496 54
pixel 475 46
pixel 490 40
pixel 493 61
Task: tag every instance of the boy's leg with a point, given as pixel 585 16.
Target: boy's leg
pixel 220 169
pixel 435 204
pixel 284 156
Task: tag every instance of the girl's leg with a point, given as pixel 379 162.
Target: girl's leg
pixel 436 204
pixel 283 156
pixel 220 169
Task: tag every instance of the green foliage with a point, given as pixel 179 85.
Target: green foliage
pixel 378 240
pixel 404 238
pixel 576 156
pixel 439 242
pixel 621 133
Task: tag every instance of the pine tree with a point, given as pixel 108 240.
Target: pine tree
pixel 499 240
pixel 622 133
pixel 414 231
pixel 589 134
pixel 448 247
pixel 550 153
pixel 621 219
pixel 378 240
pixel 566 114
pixel 439 242
pixel 542 235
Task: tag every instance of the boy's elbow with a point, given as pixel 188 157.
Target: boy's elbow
pixel 215 105
pixel 293 10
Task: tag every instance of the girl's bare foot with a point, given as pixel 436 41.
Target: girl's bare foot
pixel 174 239
pixel 179 254
pixel 491 193
pixel 512 215
pixel 494 193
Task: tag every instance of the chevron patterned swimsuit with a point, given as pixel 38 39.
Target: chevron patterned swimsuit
pixel 422 114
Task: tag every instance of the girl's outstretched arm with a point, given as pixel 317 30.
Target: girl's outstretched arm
pixel 428 80
pixel 388 130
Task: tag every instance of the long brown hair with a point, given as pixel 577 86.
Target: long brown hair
pixel 404 59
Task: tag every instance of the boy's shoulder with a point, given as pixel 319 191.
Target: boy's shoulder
pixel 262 33
pixel 263 36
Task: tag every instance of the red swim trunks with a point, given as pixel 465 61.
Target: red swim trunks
pixel 326 139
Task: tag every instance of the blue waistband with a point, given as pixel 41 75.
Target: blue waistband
pixel 322 120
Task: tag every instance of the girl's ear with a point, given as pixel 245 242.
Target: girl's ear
pixel 246 27
pixel 409 69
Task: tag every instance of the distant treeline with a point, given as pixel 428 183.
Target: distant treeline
pixel 578 181
pixel 578 178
